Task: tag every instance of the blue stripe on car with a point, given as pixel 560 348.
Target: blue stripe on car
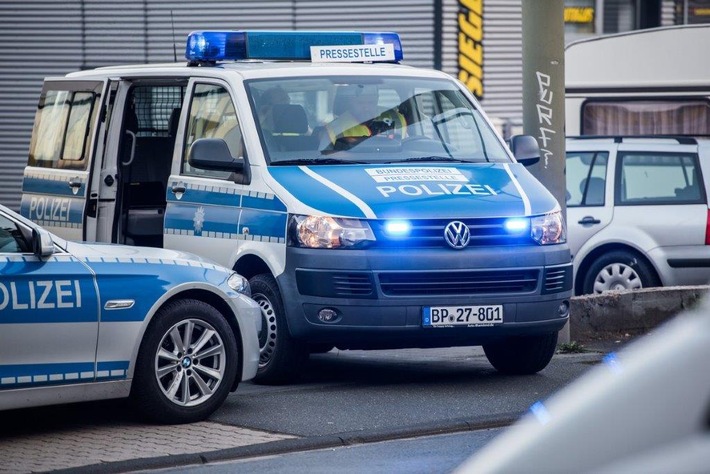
pixel 12 376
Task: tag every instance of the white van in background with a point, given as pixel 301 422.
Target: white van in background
pixel 644 82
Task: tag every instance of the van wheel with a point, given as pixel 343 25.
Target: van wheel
pixel 186 365
pixel 522 355
pixel 280 357
pixel 619 270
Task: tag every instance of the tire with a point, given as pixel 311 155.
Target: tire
pixel 202 383
pixel 619 270
pixel 280 357
pixel 522 355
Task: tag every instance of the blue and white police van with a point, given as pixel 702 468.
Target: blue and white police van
pixel 82 322
pixel 370 204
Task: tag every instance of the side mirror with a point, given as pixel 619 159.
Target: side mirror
pixel 213 154
pixel 42 243
pixel 525 149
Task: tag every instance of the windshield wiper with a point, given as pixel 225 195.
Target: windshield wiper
pixel 316 161
pixel 431 158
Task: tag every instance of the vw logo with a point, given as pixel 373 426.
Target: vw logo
pixel 457 235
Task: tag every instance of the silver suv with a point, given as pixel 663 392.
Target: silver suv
pixel 637 212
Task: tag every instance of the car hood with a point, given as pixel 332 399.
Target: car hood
pixel 116 252
pixel 457 190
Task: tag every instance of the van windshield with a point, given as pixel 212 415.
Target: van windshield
pixel 361 119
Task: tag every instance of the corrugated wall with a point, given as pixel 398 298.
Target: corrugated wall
pixel 502 55
pixel 53 37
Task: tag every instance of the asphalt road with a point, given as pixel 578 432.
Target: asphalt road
pixel 383 391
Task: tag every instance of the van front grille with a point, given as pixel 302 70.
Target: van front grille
pixel 458 283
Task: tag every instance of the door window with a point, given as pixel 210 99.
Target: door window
pixel 212 115
pixel 11 240
pixel 659 178
pixel 586 178
pixel 62 129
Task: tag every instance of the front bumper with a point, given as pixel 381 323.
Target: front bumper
pixel 379 294
pixel 248 316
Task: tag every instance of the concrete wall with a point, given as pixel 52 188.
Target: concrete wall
pixel 621 313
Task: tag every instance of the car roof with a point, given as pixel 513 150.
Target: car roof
pixel 257 69
pixel 657 143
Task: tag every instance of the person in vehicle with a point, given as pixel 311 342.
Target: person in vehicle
pixel 358 116
pixel 268 99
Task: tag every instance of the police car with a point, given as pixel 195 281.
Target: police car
pixel 86 322
pixel 370 204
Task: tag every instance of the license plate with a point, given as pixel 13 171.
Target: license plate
pixel 468 316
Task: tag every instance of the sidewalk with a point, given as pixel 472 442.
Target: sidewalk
pixel 92 444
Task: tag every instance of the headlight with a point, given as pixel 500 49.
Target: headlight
pixel 548 229
pixel 324 232
pixel 239 284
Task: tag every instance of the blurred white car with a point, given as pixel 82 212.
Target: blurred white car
pixel 645 410
pixel 637 212
pixel 85 322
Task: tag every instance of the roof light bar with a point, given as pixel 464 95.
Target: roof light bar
pixel 213 46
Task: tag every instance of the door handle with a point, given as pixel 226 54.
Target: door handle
pixel 589 220
pixel 74 183
pixel 178 188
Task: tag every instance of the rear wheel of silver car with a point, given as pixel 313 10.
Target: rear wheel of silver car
pixel 522 355
pixel 619 270
pixel 280 357
pixel 187 363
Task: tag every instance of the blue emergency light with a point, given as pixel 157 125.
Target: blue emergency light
pixel 213 46
pixel 398 228
pixel 516 225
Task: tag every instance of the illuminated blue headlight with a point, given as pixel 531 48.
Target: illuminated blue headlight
pixel 212 46
pixel 516 225
pixel 397 228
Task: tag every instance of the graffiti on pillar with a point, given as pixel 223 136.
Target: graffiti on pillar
pixel 544 115
pixel 470 45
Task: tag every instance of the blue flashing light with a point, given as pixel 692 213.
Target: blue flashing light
pixel 612 362
pixel 540 412
pixel 213 46
pixel 397 228
pixel 516 225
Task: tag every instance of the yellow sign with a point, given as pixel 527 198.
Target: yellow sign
pixel 579 15
pixel 470 45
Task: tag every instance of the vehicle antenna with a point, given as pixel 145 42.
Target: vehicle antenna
pixel 172 26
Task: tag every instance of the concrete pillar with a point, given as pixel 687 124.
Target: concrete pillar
pixel 544 94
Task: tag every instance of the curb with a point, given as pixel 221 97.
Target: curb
pixel 299 444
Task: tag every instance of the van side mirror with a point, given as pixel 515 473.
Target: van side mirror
pixel 213 154
pixel 42 243
pixel 525 149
